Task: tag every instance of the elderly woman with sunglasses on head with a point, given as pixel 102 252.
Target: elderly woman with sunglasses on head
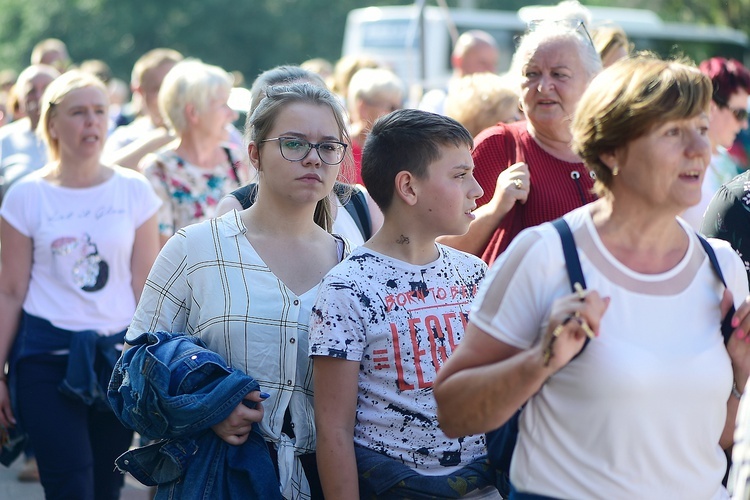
pixel 527 169
pixel 647 407
pixel 728 115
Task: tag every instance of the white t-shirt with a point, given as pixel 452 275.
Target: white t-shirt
pixel 83 242
pixel 401 322
pixel 21 151
pixel 640 412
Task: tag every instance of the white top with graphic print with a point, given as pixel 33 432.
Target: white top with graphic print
pixel 401 322
pixel 83 242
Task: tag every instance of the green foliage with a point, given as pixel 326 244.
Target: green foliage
pixel 249 36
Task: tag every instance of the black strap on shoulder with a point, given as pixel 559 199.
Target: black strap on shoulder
pixel 246 195
pixel 726 322
pixel 575 274
pixel 572 262
pixel 356 205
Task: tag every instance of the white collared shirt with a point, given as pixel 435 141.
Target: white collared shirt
pixel 208 281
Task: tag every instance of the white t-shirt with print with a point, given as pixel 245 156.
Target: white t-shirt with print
pixel 401 322
pixel 640 412
pixel 83 243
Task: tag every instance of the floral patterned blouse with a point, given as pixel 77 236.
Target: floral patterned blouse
pixel 190 193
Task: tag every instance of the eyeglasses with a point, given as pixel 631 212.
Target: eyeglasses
pixel 572 24
pixel 296 149
pixel 740 114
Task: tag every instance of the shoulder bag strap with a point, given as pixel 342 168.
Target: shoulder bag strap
pixel 726 322
pixel 354 202
pixel 572 262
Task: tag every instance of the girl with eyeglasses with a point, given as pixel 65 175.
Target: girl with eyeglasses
pixel 245 282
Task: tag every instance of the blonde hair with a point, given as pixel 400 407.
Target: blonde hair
pixel 371 83
pixel 628 100
pixel 54 94
pixel 609 37
pixel 151 60
pixel 481 100
pixel 190 82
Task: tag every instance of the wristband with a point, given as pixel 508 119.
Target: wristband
pixel 736 392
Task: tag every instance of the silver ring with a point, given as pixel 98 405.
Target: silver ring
pixel 518 183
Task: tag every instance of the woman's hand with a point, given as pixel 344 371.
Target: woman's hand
pixel 573 318
pixel 512 186
pixel 6 414
pixel 236 428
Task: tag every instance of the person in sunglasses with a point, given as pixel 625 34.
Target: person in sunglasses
pixel 727 116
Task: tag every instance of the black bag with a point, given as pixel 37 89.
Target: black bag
pixel 502 441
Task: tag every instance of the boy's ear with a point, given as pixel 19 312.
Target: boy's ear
pixel 404 185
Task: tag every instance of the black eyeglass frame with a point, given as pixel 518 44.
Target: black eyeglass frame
pixel 310 146
pixel 740 114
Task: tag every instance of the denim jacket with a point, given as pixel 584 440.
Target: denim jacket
pixel 91 358
pixel 171 387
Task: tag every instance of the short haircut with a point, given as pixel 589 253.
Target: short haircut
pixel 190 82
pixel 281 75
pixel 371 83
pixel 98 68
pixel 152 60
pixel 727 76
pixel 47 45
pixel 54 94
pixel 568 20
pixel 344 70
pixel 628 100
pixel 263 118
pixel 35 69
pixel 609 37
pixel 470 39
pixel 406 140
pixel 481 100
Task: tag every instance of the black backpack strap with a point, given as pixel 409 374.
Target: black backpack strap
pixel 356 205
pixel 726 322
pixel 572 262
pixel 246 194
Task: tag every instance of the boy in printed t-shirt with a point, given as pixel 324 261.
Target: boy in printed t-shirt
pixel 387 317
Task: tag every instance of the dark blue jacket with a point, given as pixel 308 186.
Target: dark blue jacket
pixel 171 387
pixel 90 360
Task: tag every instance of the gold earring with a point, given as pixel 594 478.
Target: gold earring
pixel 615 170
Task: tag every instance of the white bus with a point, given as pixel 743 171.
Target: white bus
pixel 392 35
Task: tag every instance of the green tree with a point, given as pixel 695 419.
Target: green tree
pixel 248 36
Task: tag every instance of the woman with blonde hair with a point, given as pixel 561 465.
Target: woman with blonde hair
pixel 481 100
pixel 193 173
pixel 78 238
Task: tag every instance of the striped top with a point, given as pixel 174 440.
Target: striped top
pixel 557 186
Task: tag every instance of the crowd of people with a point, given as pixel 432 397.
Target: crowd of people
pixel 352 295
